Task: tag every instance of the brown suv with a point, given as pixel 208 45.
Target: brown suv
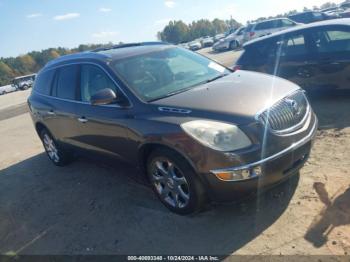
pixel 199 131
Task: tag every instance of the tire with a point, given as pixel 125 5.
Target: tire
pixel 25 87
pixel 233 45
pixel 56 154
pixel 177 187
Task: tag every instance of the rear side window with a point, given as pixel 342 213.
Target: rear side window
pixel 265 25
pixel 67 82
pixel 286 22
pixel 43 82
pixel 293 46
pixel 257 54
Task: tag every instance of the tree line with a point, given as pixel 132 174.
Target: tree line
pixel 32 62
pixel 177 32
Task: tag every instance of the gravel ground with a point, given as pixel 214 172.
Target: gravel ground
pixel 103 207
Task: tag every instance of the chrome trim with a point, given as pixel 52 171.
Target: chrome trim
pixel 289 130
pixel 174 110
pixel 273 157
pixel 53 67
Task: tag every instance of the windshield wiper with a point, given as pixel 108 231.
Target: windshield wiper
pixel 216 78
pixel 171 94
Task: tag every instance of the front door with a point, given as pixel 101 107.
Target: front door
pixel 333 49
pixel 103 128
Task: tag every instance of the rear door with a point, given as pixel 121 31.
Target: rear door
pixel 62 111
pixel 102 129
pixel 297 59
pixel 332 44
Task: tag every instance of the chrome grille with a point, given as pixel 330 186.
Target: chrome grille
pixel 288 114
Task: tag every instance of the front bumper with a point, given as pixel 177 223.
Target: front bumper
pixel 275 169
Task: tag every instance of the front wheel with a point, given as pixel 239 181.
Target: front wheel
pixel 25 87
pixel 55 153
pixel 175 183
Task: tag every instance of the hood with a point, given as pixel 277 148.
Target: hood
pixel 242 93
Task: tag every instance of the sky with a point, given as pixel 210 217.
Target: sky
pixel 38 24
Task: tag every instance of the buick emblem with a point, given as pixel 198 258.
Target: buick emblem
pixel 294 106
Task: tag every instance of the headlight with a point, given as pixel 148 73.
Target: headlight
pixel 217 135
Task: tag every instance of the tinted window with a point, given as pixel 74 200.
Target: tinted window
pixel 332 41
pixel 286 22
pixel 258 54
pixel 67 81
pixel 294 45
pixel 43 82
pixel 265 25
pixel 318 15
pixel 92 80
pixel 241 31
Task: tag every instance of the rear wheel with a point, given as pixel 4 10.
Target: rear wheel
pixel 55 153
pixel 233 45
pixel 174 182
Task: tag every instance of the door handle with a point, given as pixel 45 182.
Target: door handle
pixel 82 120
pixel 51 113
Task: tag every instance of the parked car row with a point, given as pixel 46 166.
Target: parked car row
pixel 313 56
pixel 237 38
pixel 18 83
pixel 252 31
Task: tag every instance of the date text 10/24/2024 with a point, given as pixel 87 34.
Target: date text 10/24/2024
pixel 173 258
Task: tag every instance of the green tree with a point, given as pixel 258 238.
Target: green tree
pixel 6 73
pixel 175 32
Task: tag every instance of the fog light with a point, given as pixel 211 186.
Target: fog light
pixel 245 174
pixel 257 171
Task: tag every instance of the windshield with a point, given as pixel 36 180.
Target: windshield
pixel 160 74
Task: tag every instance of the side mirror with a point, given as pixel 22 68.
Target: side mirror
pixel 103 97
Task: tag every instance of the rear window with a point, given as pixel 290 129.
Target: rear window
pixel 43 82
pixel 265 25
pixel 286 22
pixel 67 82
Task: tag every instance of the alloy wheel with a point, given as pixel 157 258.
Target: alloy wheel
pixel 51 148
pixel 170 183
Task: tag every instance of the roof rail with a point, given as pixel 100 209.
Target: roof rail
pixel 129 45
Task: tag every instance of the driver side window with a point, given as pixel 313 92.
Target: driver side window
pixel 92 80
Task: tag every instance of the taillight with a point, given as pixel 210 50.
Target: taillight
pixel 236 67
pixel 251 34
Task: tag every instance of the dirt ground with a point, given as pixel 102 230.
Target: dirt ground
pixel 102 207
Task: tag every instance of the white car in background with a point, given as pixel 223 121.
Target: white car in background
pixel 195 45
pixel 267 27
pixel 207 41
pixel 7 89
pixel 230 42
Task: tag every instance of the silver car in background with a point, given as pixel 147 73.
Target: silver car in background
pixel 267 27
pixel 195 45
pixel 7 89
pixel 207 41
pixel 230 42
